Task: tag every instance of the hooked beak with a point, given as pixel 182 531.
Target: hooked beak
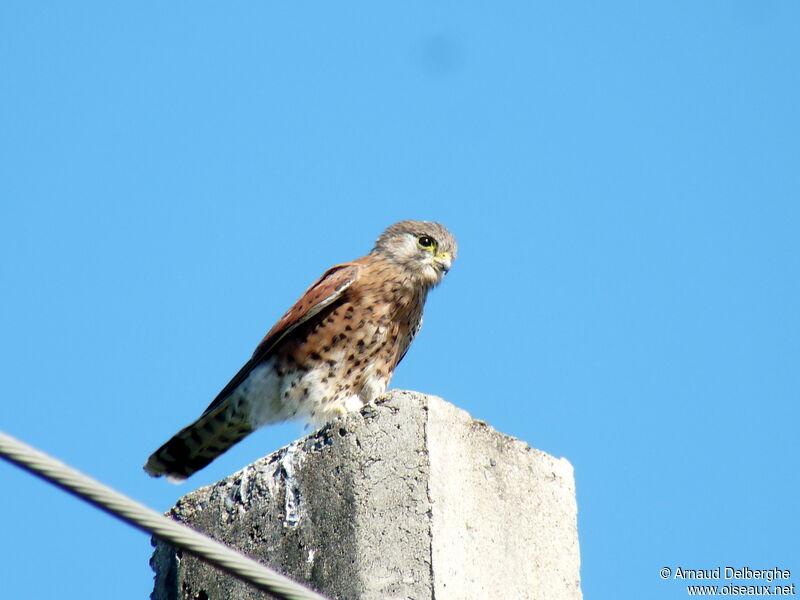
pixel 444 260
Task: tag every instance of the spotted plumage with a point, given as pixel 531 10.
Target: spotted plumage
pixel 334 351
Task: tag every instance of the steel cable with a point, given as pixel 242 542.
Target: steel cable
pixel 139 515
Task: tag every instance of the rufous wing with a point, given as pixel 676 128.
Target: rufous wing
pixel 322 293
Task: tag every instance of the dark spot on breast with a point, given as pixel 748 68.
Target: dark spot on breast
pixel 315 356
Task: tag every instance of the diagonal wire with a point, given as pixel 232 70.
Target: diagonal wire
pixel 139 515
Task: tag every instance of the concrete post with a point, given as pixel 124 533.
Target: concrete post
pixel 410 499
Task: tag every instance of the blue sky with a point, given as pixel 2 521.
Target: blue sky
pixel 622 178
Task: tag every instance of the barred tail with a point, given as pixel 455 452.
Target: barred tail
pixel 193 447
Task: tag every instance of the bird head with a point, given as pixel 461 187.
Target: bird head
pixel 425 250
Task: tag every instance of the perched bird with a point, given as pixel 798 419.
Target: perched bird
pixel 334 351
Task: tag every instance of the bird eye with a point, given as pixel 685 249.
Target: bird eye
pixel 426 242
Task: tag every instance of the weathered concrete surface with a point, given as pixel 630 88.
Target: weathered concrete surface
pixel 411 499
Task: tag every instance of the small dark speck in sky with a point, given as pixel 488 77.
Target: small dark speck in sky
pixel 438 54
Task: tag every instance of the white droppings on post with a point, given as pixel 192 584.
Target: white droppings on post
pixel 290 485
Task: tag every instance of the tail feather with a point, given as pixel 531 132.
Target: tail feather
pixel 193 447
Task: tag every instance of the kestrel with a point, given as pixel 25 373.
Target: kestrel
pixel 334 351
